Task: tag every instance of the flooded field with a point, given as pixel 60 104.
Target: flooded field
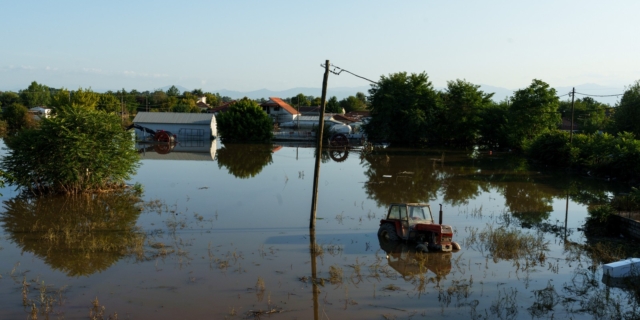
pixel 221 232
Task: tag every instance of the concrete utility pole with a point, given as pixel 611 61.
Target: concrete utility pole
pixel 316 174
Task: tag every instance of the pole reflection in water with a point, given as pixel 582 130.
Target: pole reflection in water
pixel 314 272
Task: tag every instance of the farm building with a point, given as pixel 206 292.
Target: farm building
pixel 186 126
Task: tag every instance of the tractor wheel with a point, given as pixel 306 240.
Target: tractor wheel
pixel 387 232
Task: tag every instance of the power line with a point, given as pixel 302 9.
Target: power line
pixel 601 95
pixel 347 71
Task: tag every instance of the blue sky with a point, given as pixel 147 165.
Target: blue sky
pixel 277 45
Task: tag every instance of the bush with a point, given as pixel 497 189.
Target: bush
pixel 551 147
pixel 245 121
pixel 77 151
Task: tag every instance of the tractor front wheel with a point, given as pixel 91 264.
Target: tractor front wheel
pixel 387 232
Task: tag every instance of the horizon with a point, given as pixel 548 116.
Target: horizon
pixel 279 46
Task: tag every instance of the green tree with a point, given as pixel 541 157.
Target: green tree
pixel 589 115
pixel 212 99
pixel 173 91
pixel 85 98
pixel 109 103
pixel 300 100
pixel 244 160
pixel 463 104
pixel 245 121
pixel 78 150
pixel 360 96
pixel 533 110
pixel 333 106
pixel 352 103
pixel 60 98
pixel 35 95
pixel 627 115
pixel 404 109
pixel 493 124
pixel 8 98
pixel 17 117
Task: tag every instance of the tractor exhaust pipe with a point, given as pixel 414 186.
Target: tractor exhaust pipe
pixel 440 214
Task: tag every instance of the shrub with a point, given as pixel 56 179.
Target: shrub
pixel 245 121
pixel 79 150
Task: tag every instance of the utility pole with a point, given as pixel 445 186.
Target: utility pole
pixel 316 174
pixel 573 95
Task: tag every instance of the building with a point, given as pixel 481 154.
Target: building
pixel 186 126
pixel 279 111
pixel 40 112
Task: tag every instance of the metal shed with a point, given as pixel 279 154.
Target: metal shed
pixel 186 126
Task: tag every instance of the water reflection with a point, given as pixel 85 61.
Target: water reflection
pixel 413 265
pixel 78 235
pixel 245 160
pixel 202 150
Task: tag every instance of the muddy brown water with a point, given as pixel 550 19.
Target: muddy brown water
pixel 221 232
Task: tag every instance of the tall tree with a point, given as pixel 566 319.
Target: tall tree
pixel 17 117
pixel 352 103
pixel 173 91
pixel 85 98
pixel 404 109
pixel 8 98
pixel 533 110
pixel 35 95
pixel 333 106
pixel 627 115
pixel 463 104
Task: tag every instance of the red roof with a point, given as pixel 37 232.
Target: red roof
pixel 282 104
pixel 222 108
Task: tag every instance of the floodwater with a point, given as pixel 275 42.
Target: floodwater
pixel 222 232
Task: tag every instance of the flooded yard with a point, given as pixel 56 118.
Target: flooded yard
pixel 221 232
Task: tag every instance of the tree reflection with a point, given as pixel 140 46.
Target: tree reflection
pixel 77 235
pixel 244 160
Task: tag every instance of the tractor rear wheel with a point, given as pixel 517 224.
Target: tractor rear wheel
pixel 387 232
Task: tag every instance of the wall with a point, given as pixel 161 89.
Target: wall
pixel 630 228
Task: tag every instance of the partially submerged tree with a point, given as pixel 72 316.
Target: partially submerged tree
pixel 404 109
pixel 79 150
pixel 245 121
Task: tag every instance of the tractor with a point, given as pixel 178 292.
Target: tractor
pixel 413 222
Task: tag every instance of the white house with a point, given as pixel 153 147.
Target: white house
pixel 40 112
pixel 186 126
pixel 279 111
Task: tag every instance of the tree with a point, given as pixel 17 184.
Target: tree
pixel 212 99
pixel 493 124
pixel 60 98
pixel 333 106
pixel 589 115
pixel 78 150
pixel 463 104
pixel 245 121
pixel 85 98
pixel 404 109
pixel 35 95
pixel 173 91
pixel 360 96
pixel 627 115
pixel 533 110
pixel 352 103
pixel 109 103
pixel 17 117
pixel 8 98
pixel 300 100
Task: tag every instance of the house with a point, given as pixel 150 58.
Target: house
pixel 186 126
pixel 40 112
pixel 202 104
pixel 221 108
pixel 279 111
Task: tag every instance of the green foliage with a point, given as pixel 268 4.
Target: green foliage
pixel 60 98
pixel 551 147
pixel 352 103
pixel 85 98
pixel 463 104
pixel 333 106
pixel 627 115
pixel 109 103
pixel 17 117
pixel 404 109
pixel 244 160
pixel 173 91
pixel 589 116
pixel 599 222
pixel 79 150
pixel 493 124
pixel 245 121
pixel 533 111
pixel 35 95
pixel 8 98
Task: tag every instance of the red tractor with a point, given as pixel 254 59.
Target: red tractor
pixel 413 222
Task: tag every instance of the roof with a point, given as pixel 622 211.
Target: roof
pixel 222 108
pixel 203 105
pixel 278 102
pixel 174 117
